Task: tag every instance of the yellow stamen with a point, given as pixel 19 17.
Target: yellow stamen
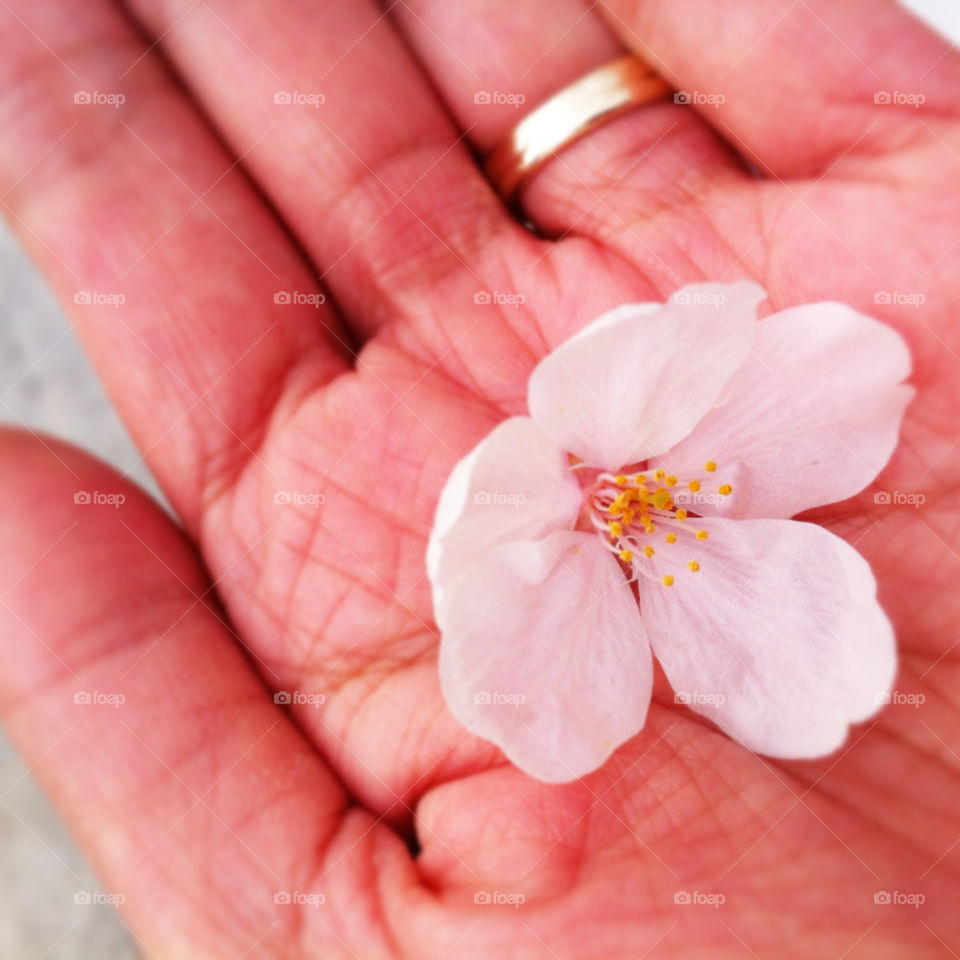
pixel 648 551
pixel 694 485
pixel 640 478
pixel 693 565
pixel 668 580
pixel 681 514
pixel 671 538
pixel 725 489
pixel 660 474
pixel 626 555
pixel 702 534
pixel 709 466
pixel 662 500
pixel 621 480
pixel 616 529
pixel 671 480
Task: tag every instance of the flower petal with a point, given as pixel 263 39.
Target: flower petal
pixel 811 417
pixel 778 638
pixel 515 484
pixel 638 379
pixel 544 653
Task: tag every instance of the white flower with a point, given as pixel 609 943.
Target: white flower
pixel 643 505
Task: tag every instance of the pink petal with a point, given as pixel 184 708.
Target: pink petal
pixel 639 378
pixel 810 418
pixel 544 653
pixel 778 638
pixel 514 485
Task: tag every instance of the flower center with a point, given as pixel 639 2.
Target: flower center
pixel 644 520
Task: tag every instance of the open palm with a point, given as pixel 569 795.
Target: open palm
pixel 302 429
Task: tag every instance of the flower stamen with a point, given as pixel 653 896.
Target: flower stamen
pixel 628 509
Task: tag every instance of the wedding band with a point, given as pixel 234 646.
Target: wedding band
pixel 601 95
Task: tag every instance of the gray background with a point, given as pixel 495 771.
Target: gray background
pixel 46 384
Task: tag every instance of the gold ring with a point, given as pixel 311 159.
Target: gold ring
pixel 601 95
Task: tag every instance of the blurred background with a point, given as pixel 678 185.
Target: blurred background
pixel 46 385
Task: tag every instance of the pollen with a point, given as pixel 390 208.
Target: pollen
pixel 671 480
pixel 681 514
pixel 648 551
pixel 640 478
pixel 693 565
pixel 709 466
pixel 725 489
pixel 702 534
pixel 621 480
pixel 616 529
pixel 660 474
pixel 694 485
pixel 626 555
pixel 671 538
pixel 662 499
pixel 667 580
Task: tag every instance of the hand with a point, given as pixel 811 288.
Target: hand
pixel 303 446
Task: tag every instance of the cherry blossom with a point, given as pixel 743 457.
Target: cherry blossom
pixel 643 510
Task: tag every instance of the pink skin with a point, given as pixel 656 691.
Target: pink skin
pixel 201 798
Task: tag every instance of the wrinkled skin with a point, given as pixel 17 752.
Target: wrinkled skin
pixel 200 798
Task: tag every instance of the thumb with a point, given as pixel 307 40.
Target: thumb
pixel 198 801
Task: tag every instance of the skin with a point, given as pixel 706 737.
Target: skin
pixel 199 798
